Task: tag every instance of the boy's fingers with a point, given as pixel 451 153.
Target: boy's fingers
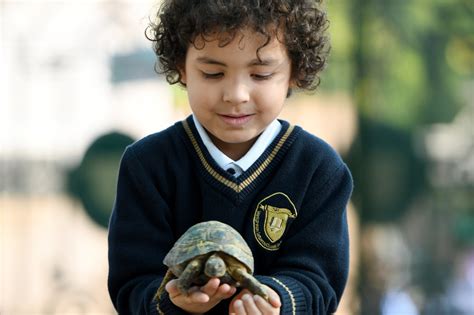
pixel 263 305
pixel 215 290
pixel 194 295
pixel 250 306
pixel 239 308
pixel 172 288
pixel 273 297
pixel 198 297
pixel 210 288
pixel 275 302
pixel 236 298
pixel 225 291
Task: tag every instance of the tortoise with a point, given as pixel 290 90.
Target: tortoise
pixel 212 249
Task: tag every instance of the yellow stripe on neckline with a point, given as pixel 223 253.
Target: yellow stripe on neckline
pixel 234 186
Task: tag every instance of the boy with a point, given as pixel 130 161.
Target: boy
pixel 233 161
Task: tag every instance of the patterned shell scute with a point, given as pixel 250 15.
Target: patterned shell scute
pixel 206 237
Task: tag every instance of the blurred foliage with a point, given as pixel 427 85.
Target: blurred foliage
pixel 404 62
pixel 93 182
pixel 180 97
pixel 408 65
pixel 410 57
pixel 387 172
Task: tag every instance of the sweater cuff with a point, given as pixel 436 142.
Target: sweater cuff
pixel 291 294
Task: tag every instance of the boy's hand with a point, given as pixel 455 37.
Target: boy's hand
pixel 200 299
pixel 245 303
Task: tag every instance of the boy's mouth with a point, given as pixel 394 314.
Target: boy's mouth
pixel 236 120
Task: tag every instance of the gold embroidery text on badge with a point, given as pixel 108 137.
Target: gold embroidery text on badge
pixel 271 219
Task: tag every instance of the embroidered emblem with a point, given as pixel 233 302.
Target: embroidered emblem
pixel 275 221
pixel 271 220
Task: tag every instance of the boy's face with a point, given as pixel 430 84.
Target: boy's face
pixel 233 95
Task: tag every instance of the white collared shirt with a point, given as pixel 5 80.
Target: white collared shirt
pixel 240 166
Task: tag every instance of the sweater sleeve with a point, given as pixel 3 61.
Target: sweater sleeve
pixel 312 269
pixel 139 235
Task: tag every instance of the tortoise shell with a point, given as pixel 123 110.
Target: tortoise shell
pixel 206 237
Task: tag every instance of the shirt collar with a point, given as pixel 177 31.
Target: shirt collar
pixel 240 166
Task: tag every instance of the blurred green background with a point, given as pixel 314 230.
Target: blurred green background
pixel 409 66
pixel 76 88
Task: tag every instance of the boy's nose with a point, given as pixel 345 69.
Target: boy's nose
pixel 236 93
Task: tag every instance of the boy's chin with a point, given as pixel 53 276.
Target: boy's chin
pixel 238 140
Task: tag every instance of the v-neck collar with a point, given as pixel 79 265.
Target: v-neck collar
pixel 249 179
pixel 245 162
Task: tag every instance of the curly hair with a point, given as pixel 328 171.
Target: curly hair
pixel 303 24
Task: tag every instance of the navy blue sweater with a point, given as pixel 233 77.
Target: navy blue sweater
pixel 290 206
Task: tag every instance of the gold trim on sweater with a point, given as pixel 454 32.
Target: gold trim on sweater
pixel 292 298
pixel 234 186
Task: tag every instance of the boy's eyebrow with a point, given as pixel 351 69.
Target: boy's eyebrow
pixel 254 62
pixel 210 61
pixel 263 62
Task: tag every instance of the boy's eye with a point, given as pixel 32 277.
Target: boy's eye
pixel 215 75
pixel 261 77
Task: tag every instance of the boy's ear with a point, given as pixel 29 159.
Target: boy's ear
pixel 292 84
pixel 182 74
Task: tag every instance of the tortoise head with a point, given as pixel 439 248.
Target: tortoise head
pixel 215 266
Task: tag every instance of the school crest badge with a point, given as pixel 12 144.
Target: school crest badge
pixel 271 219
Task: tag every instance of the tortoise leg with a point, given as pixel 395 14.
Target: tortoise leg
pixel 168 276
pixel 248 281
pixel 190 273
